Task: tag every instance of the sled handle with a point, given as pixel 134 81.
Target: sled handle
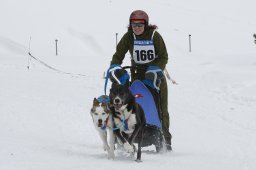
pixel 133 67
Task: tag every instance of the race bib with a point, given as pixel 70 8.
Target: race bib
pixel 143 51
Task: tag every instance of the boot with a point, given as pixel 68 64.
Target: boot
pixel 168 143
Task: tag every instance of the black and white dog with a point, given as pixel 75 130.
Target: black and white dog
pixel 128 118
pixel 103 122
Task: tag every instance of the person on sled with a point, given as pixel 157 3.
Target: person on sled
pixel 148 54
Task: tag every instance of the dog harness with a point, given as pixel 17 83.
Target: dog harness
pixel 124 123
pixel 103 99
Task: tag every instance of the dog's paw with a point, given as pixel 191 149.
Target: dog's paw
pixel 111 155
pixel 129 148
pixel 138 160
pixel 106 147
pixel 134 147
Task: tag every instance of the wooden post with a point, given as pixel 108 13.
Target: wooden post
pixel 56 44
pixel 190 43
pixel 29 57
pixel 116 38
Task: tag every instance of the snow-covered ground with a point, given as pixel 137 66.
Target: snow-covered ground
pixel 44 115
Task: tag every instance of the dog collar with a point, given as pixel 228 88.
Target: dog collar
pixel 104 127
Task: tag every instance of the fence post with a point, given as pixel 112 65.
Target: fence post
pixel 29 57
pixel 56 44
pixel 116 38
pixel 189 42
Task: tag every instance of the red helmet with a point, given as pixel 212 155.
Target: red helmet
pixel 139 15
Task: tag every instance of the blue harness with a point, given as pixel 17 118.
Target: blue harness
pixel 103 99
pixel 124 123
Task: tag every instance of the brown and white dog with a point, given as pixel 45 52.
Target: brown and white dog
pixel 103 122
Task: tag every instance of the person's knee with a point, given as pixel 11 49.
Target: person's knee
pixel 166 122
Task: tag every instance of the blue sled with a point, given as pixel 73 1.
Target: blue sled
pixel 153 131
pixel 145 99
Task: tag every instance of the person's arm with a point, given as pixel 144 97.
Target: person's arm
pixel 161 51
pixel 121 50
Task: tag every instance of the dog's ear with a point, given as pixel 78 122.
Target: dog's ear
pixel 92 110
pixel 110 105
pixel 96 102
pixel 112 109
pixel 105 107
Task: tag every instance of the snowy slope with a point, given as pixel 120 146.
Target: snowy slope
pixel 44 115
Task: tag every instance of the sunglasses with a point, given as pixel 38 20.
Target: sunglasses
pixel 137 24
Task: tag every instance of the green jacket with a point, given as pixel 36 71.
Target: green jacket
pixel 126 43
